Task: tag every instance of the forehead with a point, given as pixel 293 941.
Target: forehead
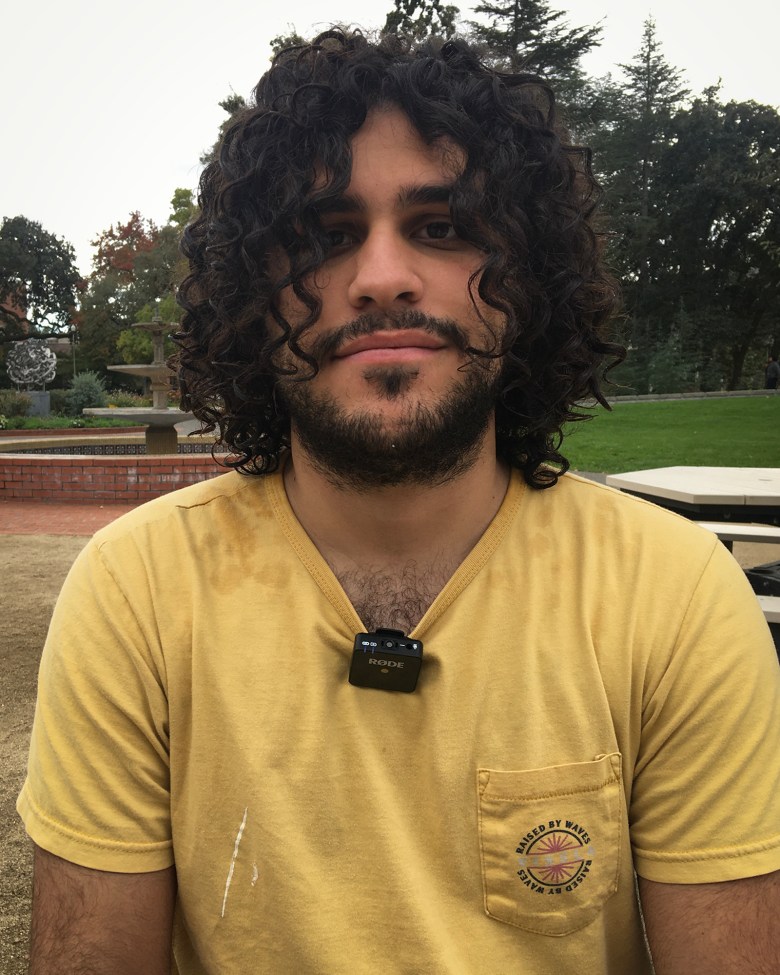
pixel 388 152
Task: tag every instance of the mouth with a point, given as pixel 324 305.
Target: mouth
pixel 397 346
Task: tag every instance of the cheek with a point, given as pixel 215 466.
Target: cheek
pixel 321 281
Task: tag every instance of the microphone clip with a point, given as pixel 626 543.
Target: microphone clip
pixel 386 660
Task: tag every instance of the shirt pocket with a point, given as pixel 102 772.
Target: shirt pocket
pixel 550 843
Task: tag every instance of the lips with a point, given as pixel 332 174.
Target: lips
pixel 390 344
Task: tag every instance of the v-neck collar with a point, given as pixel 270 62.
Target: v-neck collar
pixel 331 588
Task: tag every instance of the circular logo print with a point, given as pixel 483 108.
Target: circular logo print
pixel 559 858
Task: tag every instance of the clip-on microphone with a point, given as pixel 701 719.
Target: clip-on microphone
pixel 387 660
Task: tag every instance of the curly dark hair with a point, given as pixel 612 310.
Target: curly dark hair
pixel 525 198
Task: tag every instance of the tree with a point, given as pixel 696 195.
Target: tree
pixel 629 145
pixel 279 43
pixel 118 247
pixel 421 18
pixel 234 105
pixel 138 267
pixel 629 139
pixel 693 193
pixel 114 291
pixel 526 35
pixel 183 208
pixel 718 183
pixel 135 344
pixel 652 93
pixel 39 281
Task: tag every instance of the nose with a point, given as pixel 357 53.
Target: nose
pixel 385 272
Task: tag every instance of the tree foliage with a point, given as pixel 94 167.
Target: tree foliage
pixel 234 105
pixel 692 192
pixel 118 247
pixel 137 267
pixel 421 18
pixel 526 35
pixel 718 187
pixel 39 281
pixel 135 344
pixel 280 43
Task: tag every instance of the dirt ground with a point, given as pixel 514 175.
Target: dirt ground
pixel 32 569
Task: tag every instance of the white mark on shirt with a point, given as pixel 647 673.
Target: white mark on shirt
pixel 233 860
pixel 254 874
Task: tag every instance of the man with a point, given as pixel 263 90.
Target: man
pixel 772 372
pixel 396 300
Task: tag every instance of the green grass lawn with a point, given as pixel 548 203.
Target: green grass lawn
pixel 728 432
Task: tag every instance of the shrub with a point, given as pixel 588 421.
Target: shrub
pixel 13 403
pixel 58 401
pixel 118 397
pixel 87 390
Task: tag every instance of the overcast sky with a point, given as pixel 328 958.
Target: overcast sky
pixel 106 107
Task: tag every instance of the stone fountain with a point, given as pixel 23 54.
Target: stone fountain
pixel 161 436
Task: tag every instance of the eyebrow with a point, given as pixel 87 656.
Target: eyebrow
pixel 408 196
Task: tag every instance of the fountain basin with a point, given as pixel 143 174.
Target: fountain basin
pixel 161 436
pixel 142 415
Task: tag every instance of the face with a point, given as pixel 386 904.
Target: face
pixel 397 316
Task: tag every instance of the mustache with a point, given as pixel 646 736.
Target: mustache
pixel 444 328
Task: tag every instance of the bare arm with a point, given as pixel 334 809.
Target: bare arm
pixel 729 928
pixel 89 922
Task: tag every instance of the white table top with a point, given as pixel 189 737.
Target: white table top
pixel 705 485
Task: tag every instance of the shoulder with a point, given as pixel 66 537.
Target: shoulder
pixel 622 551
pixel 610 519
pixel 209 505
pixel 167 538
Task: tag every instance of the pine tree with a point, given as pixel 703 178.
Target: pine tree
pixel 653 91
pixel 526 35
pixel 627 152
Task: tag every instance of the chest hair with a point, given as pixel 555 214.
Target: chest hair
pixel 393 598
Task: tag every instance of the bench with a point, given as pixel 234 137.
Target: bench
pixel 729 533
pixel 771 607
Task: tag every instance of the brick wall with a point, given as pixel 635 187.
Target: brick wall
pixel 121 479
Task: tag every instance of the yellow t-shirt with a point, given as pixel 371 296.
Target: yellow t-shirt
pixel 599 693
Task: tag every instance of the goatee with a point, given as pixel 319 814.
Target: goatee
pixel 426 445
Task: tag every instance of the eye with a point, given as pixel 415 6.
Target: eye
pixel 438 231
pixel 337 239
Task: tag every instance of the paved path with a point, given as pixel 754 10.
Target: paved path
pixel 46 518
pixel 49 518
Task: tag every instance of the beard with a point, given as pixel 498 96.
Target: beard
pixel 426 444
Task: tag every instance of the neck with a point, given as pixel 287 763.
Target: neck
pixel 390 527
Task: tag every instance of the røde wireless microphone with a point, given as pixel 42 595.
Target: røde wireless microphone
pixel 386 660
